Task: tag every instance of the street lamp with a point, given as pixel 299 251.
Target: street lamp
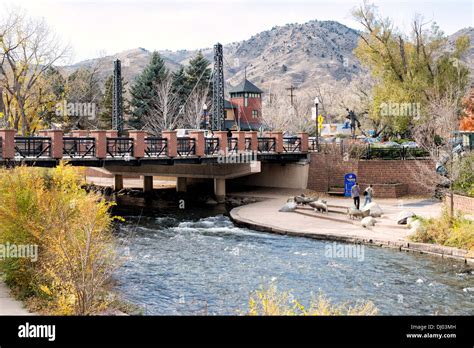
pixel 316 104
pixel 204 109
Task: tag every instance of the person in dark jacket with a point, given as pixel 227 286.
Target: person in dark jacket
pixel 355 194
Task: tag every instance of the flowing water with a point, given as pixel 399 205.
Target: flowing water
pixel 199 264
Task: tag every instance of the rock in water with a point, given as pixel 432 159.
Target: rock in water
pixel 368 221
pixel 375 210
pixel 288 207
pixel 403 217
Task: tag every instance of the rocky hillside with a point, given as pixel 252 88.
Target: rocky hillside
pixel 292 54
pixel 469 58
pixel 297 54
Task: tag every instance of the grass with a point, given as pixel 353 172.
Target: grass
pixel 457 231
pixel 267 301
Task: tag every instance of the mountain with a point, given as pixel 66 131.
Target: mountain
pixel 468 59
pixel 293 54
pixel 133 62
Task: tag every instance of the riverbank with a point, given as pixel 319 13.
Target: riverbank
pixel 264 216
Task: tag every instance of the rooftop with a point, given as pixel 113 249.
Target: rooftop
pixel 246 86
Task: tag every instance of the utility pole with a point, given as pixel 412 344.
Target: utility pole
pixel 291 89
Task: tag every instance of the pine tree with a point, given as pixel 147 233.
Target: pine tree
pixel 142 91
pixel 180 86
pixel 198 73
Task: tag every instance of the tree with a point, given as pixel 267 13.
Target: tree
pixel 467 117
pixel 105 116
pixel 197 89
pixel 106 105
pixel 198 74
pixel 142 91
pixel 164 108
pixel 417 71
pixel 53 90
pixel 28 48
pixel 193 110
pixel 180 86
pixel 84 94
pixel 407 69
pixel 278 114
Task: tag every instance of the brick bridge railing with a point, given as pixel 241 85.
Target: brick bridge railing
pixel 102 145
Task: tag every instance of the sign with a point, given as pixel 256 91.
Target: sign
pixel 349 181
pixel 313 116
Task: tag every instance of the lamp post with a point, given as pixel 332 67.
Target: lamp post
pixel 204 110
pixel 316 104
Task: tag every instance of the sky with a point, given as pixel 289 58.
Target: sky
pixel 95 28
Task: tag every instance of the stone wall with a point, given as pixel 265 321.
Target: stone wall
pixel 391 178
pixel 464 204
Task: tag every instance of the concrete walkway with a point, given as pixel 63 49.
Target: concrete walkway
pixel 8 305
pixel 305 222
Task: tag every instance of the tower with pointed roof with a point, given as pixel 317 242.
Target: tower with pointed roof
pixel 246 106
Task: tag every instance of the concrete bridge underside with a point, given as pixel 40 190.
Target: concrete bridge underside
pixel 218 172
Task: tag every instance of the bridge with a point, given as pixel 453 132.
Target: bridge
pixel 216 157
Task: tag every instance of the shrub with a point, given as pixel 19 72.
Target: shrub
pixel 455 232
pixel 73 230
pixel 465 179
pixel 268 301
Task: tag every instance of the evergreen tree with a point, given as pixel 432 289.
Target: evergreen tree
pixel 143 92
pixel 180 86
pixel 198 73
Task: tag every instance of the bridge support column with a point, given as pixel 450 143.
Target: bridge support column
pixel 100 143
pixel 304 141
pixel 222 136
pixel 240 135
pixel 147 183
pixel 118 182
pixel 253 140
pixel 219 190
pixel 278 141
pixel 172 140
pixel 200 140
pixel 57 143
pixel 181 184
pixel 139 146
pixel 7 138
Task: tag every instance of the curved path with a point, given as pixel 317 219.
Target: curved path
pixel 8 305
pixel 264 216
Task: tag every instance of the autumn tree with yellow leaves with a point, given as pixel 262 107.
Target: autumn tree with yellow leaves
pixel 28 49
